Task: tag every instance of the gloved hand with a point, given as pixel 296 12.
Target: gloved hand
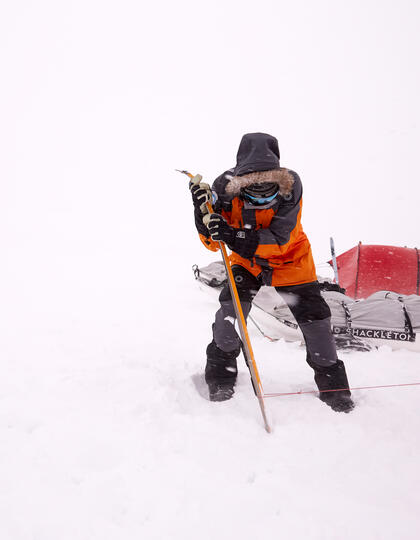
pixel 201 193
pixel 219 229
pixel 244 242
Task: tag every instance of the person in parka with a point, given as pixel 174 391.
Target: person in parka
pixel 257 213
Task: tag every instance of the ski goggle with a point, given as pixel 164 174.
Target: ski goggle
pixel 259 200
pixel 260 193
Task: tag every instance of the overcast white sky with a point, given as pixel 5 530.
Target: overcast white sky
pixel 101 100
pixel 101 325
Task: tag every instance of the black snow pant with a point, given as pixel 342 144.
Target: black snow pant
pixel 305 302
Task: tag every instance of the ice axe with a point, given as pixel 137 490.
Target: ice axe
pixel 246 343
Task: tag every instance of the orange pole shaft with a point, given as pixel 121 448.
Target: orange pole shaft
pixel 248 352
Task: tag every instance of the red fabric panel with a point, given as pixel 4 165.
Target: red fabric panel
pixel 381 268
pixel 347 270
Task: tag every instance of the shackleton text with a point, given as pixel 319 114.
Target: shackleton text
pixel 374 334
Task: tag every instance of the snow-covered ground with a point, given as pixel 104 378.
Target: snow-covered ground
pixel 103 435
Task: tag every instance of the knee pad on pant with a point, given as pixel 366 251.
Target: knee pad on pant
pixel 225 335
pixel 319 341
pixel 224 332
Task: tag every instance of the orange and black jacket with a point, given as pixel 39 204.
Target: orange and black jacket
pixel 275 246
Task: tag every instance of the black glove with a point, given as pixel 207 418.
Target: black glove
pixel 201 193
pixel 244 242
pixel 219 229
pixel 198 220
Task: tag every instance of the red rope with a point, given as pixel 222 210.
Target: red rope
pixel 338 389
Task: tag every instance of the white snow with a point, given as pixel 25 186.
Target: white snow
pixel 103 435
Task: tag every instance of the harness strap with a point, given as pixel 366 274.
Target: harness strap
pixel 348 316
pixel 408 327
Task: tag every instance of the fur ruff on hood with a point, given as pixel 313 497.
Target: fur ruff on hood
pixel 282 177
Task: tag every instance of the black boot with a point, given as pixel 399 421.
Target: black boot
pixel 333 378
pixel 221 372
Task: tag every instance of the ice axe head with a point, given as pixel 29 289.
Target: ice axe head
pixel 194 179
pixel 197 180
pixel 185 172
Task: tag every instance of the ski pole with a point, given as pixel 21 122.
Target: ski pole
pixel 247 348
pixel 334 260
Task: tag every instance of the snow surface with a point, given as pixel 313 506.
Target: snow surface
pixel 103 435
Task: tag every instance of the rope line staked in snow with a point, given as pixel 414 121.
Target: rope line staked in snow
pixel 280 394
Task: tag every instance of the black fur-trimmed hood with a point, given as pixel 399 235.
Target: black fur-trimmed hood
pixel 283 177
pixel 257 152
